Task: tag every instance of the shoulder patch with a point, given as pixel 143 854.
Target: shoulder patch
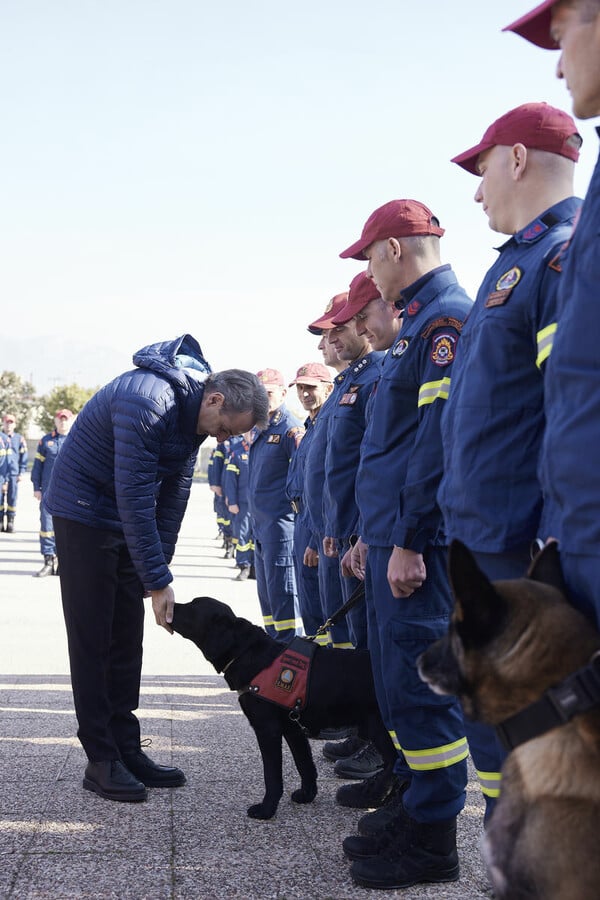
pixel 534 230
pixel 442 322
pixel 297 433
pixel 443 348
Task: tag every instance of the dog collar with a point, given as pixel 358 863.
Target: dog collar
pixel 575 694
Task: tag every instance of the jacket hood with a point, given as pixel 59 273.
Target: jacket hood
pixel 182 363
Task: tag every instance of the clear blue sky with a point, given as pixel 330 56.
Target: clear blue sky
pixel 180 165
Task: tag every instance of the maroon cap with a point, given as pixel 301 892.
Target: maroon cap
pixel 331 310
pixel 9 418
pixel 396 219
pixel 534 26
pixel 538 126
pixel 271 378
pixel 312 373
pixel 63 414
pixel 362 291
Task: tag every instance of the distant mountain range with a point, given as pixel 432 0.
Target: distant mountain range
pixel 51 361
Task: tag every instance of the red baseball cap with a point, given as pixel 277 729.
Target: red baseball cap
pixel 362 291
pixel 538 126
pixel 331 310
pixel 271 377
pixel 534 26
pixel 312 373
pixel 63 414
pixel 397 219
pixel 9 418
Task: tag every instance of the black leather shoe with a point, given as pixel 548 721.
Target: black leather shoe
pixel 151 773
pixel 111 780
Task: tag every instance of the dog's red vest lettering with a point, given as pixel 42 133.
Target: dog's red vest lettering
pixel 285 681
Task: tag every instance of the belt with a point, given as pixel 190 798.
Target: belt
pixel 296 504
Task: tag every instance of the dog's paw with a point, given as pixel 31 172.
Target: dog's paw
pixel 261 811
pixel 305 794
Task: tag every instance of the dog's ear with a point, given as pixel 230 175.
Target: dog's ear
pixel 479 610
pixel 546 568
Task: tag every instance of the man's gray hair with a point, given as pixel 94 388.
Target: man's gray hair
pixel 243 392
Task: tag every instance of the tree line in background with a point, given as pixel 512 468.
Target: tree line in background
pixel 18 396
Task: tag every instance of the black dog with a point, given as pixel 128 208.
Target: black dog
pixel 340 693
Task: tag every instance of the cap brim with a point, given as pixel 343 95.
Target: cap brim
pixel 468 159
pixel 319 325
pixel 534 26
pixel 355 251
pixel 348 312
pixel 312 382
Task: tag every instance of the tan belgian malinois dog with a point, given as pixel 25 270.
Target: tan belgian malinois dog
pixel 521 658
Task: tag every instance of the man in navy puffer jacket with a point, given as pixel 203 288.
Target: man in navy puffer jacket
pixel 118 493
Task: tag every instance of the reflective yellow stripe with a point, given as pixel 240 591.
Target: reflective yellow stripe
pixel 431 390
pixel 345 645
pixel 231 467
pixel 489 783
pixel 46 534
pixel 285 624
pixel 267 621
pixel 437 757
pixel 219 454
pixel 244 547
pixel 395 741
pixel 323 639
pixel 545 340
pixel 41 457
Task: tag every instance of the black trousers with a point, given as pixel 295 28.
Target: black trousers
pixel 103 606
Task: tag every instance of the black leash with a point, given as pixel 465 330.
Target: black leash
pixel 357 595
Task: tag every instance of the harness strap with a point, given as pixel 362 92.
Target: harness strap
pixel 357 595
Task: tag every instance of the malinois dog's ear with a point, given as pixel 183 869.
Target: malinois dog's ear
pixel 546 568
pixel 479 610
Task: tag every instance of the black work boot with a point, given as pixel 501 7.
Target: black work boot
pixel 366 762
pixel 10 525
pixel 334 750
pixel 374 822
pixel 423 852
pixel 361 846
pixel 47 568
pixel 369 794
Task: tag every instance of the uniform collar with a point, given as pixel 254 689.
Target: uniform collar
pixel 356 367
pixel 277 416
pixel 426 288
pixel 539 226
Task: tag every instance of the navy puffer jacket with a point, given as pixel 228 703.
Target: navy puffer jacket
pixel 128 461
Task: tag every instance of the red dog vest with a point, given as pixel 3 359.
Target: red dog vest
pixel 285 681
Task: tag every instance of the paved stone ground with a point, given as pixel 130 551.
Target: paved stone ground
pixel 58 841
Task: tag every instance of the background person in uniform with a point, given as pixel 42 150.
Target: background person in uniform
pixel 314 384
pixel 118 493
pixel 16 466
pixel 48 449
pixel 569 473
pixel 216 470
pixel 493 422
pixel 235 489
pixel 271 513
pixel 408 595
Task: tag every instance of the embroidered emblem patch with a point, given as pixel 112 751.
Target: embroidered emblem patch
pixel 285 679
pixel 401 347
pixel 443 348
pixel 348 399
pixel 509 279
pixel 413 308
pixel 498 298
pixel 274 439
